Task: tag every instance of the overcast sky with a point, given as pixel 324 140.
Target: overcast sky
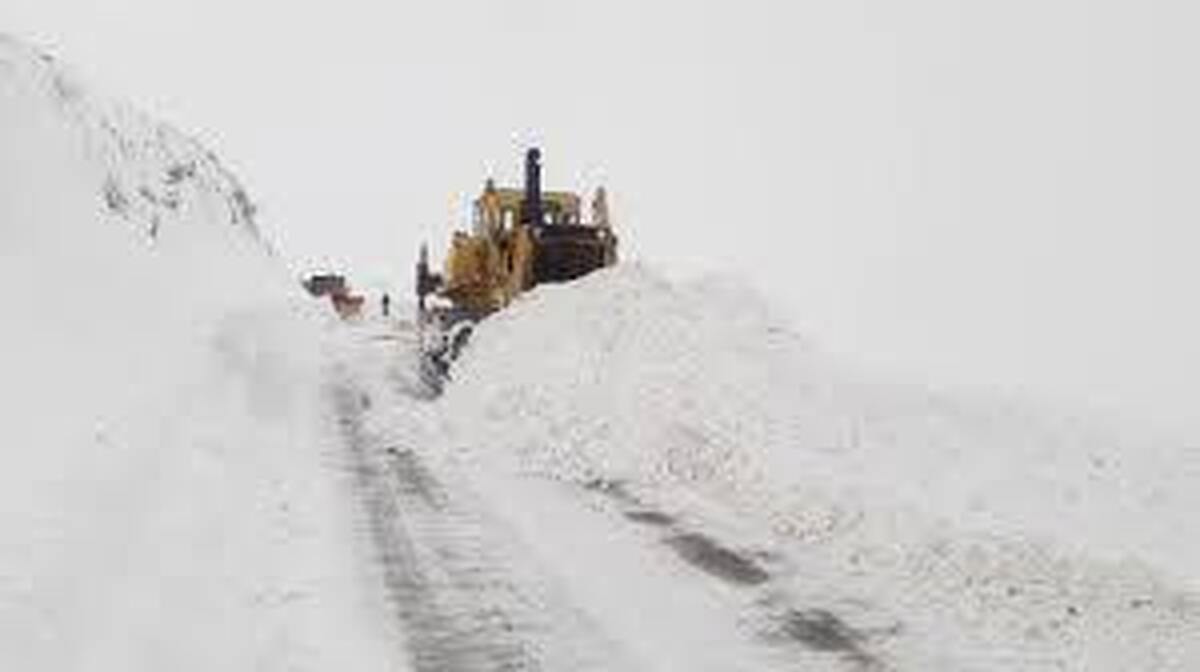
pixel 1001 193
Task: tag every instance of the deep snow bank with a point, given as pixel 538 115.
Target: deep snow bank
pixel 165 500
pixel 1007 538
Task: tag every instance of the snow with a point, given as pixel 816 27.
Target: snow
pixel 202 469
pixel 169 491
pixel 983 533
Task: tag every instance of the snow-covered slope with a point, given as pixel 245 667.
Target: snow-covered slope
pixel 166 496
pixel 149 174
pixel 963 532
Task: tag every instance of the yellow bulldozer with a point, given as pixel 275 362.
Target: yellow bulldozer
pixel 519 238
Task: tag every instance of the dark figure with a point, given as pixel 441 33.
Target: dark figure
pixel 387 304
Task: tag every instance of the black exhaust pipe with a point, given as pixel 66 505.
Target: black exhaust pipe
pixel 532 208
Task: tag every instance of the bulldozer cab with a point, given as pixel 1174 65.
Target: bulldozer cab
pixel 501 209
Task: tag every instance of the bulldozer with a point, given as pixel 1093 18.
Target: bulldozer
pixel 519 238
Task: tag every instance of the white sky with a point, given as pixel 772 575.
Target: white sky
pixel 992 192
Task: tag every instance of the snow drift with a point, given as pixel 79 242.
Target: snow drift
pixel 994 536
pixel 164 497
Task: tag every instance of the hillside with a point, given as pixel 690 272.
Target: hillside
pixel 165 501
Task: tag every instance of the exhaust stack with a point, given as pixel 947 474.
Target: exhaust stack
pixel 532 207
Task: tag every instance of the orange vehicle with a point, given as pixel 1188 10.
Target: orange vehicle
pixel 347 305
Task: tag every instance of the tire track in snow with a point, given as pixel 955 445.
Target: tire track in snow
pixel 419 582
pixel 466 598
pixel 777 620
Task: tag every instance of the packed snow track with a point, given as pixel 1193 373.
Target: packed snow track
pixel 465 597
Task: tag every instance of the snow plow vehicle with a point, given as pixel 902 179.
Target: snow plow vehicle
pixel 519 238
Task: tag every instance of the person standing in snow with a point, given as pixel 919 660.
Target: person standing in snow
pixel 387 304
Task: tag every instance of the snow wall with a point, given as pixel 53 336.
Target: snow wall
pixel 164 497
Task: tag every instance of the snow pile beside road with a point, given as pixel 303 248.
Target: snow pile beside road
pixel 166 500
pixel 999 537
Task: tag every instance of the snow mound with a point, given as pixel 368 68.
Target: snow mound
pixel 1012 537
pixel 165 497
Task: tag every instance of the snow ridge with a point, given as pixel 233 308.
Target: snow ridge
pixel 152 175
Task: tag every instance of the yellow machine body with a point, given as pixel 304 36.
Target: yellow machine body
pixel 518 239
